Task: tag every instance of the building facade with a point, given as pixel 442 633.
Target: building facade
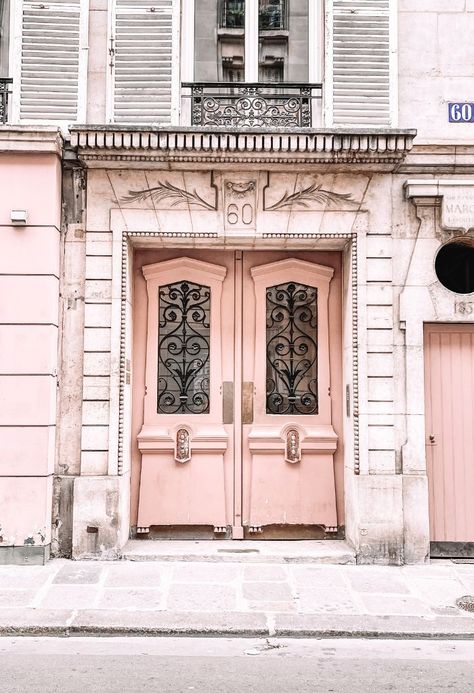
pixel 238 275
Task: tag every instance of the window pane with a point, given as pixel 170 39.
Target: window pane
pixel 219 40
pixel 184 348
pixel 292 365
pixel 283 40
pixel 4 36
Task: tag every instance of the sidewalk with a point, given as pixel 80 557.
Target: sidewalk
pixel 235 598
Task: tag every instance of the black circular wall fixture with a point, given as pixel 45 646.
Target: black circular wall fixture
pixel 454 265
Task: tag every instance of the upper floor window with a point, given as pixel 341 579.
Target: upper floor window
pixel 4 37
pixel 252 41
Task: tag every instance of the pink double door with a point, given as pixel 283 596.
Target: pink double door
pixel 242 364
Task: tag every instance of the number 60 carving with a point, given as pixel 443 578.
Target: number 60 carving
pixel 239 214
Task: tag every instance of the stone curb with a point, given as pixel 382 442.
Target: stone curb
pixel 103 623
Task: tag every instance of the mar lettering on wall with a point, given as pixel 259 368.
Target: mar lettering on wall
pixel 457 210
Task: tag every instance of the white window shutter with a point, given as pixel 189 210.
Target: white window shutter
pixel 143 49
pixel 53 61
pixel 361 62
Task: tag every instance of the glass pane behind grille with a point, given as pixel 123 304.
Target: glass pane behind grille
pixel 184 348
pixel 292 366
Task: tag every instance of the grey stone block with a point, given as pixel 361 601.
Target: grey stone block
pixel 34 622
pixel 165 623
pixel 364 626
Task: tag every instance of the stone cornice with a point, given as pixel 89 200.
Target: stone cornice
pixel 439 159
pixel 376 148
pixel 434 187
pixel 31 139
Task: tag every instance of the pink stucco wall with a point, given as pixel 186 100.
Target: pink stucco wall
pixel 29 290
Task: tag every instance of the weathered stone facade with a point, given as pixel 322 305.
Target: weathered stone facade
pixel 385 200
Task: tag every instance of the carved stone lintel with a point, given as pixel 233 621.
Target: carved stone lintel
pixel 183 447
pixel 292 449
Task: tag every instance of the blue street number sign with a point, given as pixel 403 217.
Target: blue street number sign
pixel 461 112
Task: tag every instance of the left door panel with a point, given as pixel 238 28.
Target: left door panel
pixel 185 447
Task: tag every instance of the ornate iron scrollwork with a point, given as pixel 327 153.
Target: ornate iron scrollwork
pixel 292 368
pixel 184 348
pixel 255 109
pixel 252 104
pixel 292 448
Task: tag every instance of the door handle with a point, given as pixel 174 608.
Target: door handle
pixel 247 402
pixel 227 402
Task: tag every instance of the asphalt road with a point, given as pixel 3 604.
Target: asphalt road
pixel 222 665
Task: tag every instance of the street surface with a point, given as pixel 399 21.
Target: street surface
pixel 225 665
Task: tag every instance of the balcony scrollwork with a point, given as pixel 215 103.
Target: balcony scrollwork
pixel 5 91
pixel 252 105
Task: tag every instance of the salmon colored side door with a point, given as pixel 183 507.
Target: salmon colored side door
pixel 449 399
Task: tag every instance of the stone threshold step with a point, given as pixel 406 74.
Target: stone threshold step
pixel 335 552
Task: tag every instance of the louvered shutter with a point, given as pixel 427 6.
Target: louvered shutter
pixel 143 57
pixel 51 60
pixel 359 60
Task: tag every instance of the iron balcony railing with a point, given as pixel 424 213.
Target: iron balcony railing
pixel 5 91
pixel 272 14
pixel 251 104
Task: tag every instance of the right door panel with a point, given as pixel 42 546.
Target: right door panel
pixel 288 439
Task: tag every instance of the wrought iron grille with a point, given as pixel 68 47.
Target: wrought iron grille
pixel 292 351
pixel 184 348
pixel 5 83
pixel 252 104
pixel 231 14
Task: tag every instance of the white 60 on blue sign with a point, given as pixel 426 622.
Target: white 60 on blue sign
pixel 461 112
